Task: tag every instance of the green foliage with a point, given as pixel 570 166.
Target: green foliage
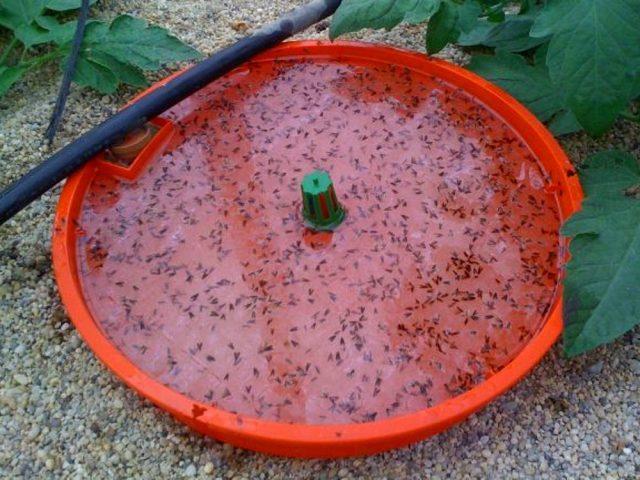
pixel 9 76
pixel 449 22
pixel 591 47
pixel 594 55
pixel 117 53
pixel 443 30
pixel 63 5
pixel 111 53
pixel 530 83
pixel 602 291
pixel 355 15
pixel 576 65
pixel 17 13
pixel 509 35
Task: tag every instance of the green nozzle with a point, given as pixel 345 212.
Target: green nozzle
pixel 320 207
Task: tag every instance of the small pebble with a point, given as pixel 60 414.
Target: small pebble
pixel 596 368
pixel 510 407
pixel 21 379
pixel 34 432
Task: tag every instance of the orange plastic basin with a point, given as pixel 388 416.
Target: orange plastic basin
pixel 191 275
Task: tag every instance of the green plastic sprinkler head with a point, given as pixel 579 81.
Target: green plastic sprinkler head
pixel 320 207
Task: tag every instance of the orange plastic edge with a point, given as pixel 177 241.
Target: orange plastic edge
pixel 301 440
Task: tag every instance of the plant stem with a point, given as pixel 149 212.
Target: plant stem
pixel 37 61
pixel 7 51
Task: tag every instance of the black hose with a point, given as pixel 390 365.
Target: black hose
pixel 64 162
pixel 69 70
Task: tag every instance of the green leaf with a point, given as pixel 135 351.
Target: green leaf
pixel 527 6
pixel 9 76
pixel 601 289
pixel 468 13
pixel 354 15
pixel 25 18
pixel 540 55
pixel 528 83
pixel 495 12
pixel 449 21
pixel 553 17
pixel 442 28
pixel 531 85
pixel 124 73
pixel 47 22
pixel 63 33
pixel 94 75
pixel 512 35
pixel 7 20
pixel 564 123
pixel 593 55
pixel 117 53
pixel 477 35
pixel 24 11
pixel 63 5
pixel 132 41
pixel 16 13
pixel 58 33
pixel 31 35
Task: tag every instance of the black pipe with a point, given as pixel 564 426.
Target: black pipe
pixel 64 162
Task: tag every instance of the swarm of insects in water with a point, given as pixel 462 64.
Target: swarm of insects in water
pixel 203 272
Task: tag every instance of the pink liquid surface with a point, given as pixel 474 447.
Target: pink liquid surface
pixel 202 272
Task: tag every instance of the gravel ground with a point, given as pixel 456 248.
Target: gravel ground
pixel 62 415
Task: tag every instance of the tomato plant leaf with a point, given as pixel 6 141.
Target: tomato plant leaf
pixel 132 41
pixel 91 74
pixel 125 73
pixel 601 289
pixel 511 35
pixel 7 20
pixel 494 10
pixel 9 76
pixel 531 85
pixel 442 28
pixel 421 11
pixel 31 35
pixel 593 55
pixel 21 12
pixel 478 34
pixel 527 6
pixel 16 13
pixel 468 13
pixel 110 53
pixel 63 5
pixel 528 83
pixel 47 22
pixel 118 52
pixel 354 15
pixel 552 17
pixel 59 33
pixel 563 123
